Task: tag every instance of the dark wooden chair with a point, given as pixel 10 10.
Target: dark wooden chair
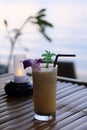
pixel 3 69
pixel 66 69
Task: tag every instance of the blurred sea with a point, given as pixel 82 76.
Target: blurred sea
pixel 37 47
pixel 69 33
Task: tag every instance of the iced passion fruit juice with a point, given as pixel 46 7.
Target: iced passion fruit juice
pixel 44 92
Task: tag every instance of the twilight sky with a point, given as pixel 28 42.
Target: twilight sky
pixel 69 34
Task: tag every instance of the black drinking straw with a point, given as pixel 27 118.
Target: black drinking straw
pixel 62 55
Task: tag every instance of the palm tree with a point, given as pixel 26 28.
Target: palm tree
pixel 38 19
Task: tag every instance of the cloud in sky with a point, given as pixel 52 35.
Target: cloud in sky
pixel 67 16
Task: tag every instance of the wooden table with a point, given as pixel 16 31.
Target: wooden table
pixel 71 105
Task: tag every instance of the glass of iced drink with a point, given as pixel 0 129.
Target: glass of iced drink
pixel 44 93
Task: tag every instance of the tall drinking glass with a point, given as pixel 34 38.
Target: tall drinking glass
pixel 44 93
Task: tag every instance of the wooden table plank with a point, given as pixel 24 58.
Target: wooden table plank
pixel 71 108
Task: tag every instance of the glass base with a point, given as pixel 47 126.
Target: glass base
pixel 44 117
